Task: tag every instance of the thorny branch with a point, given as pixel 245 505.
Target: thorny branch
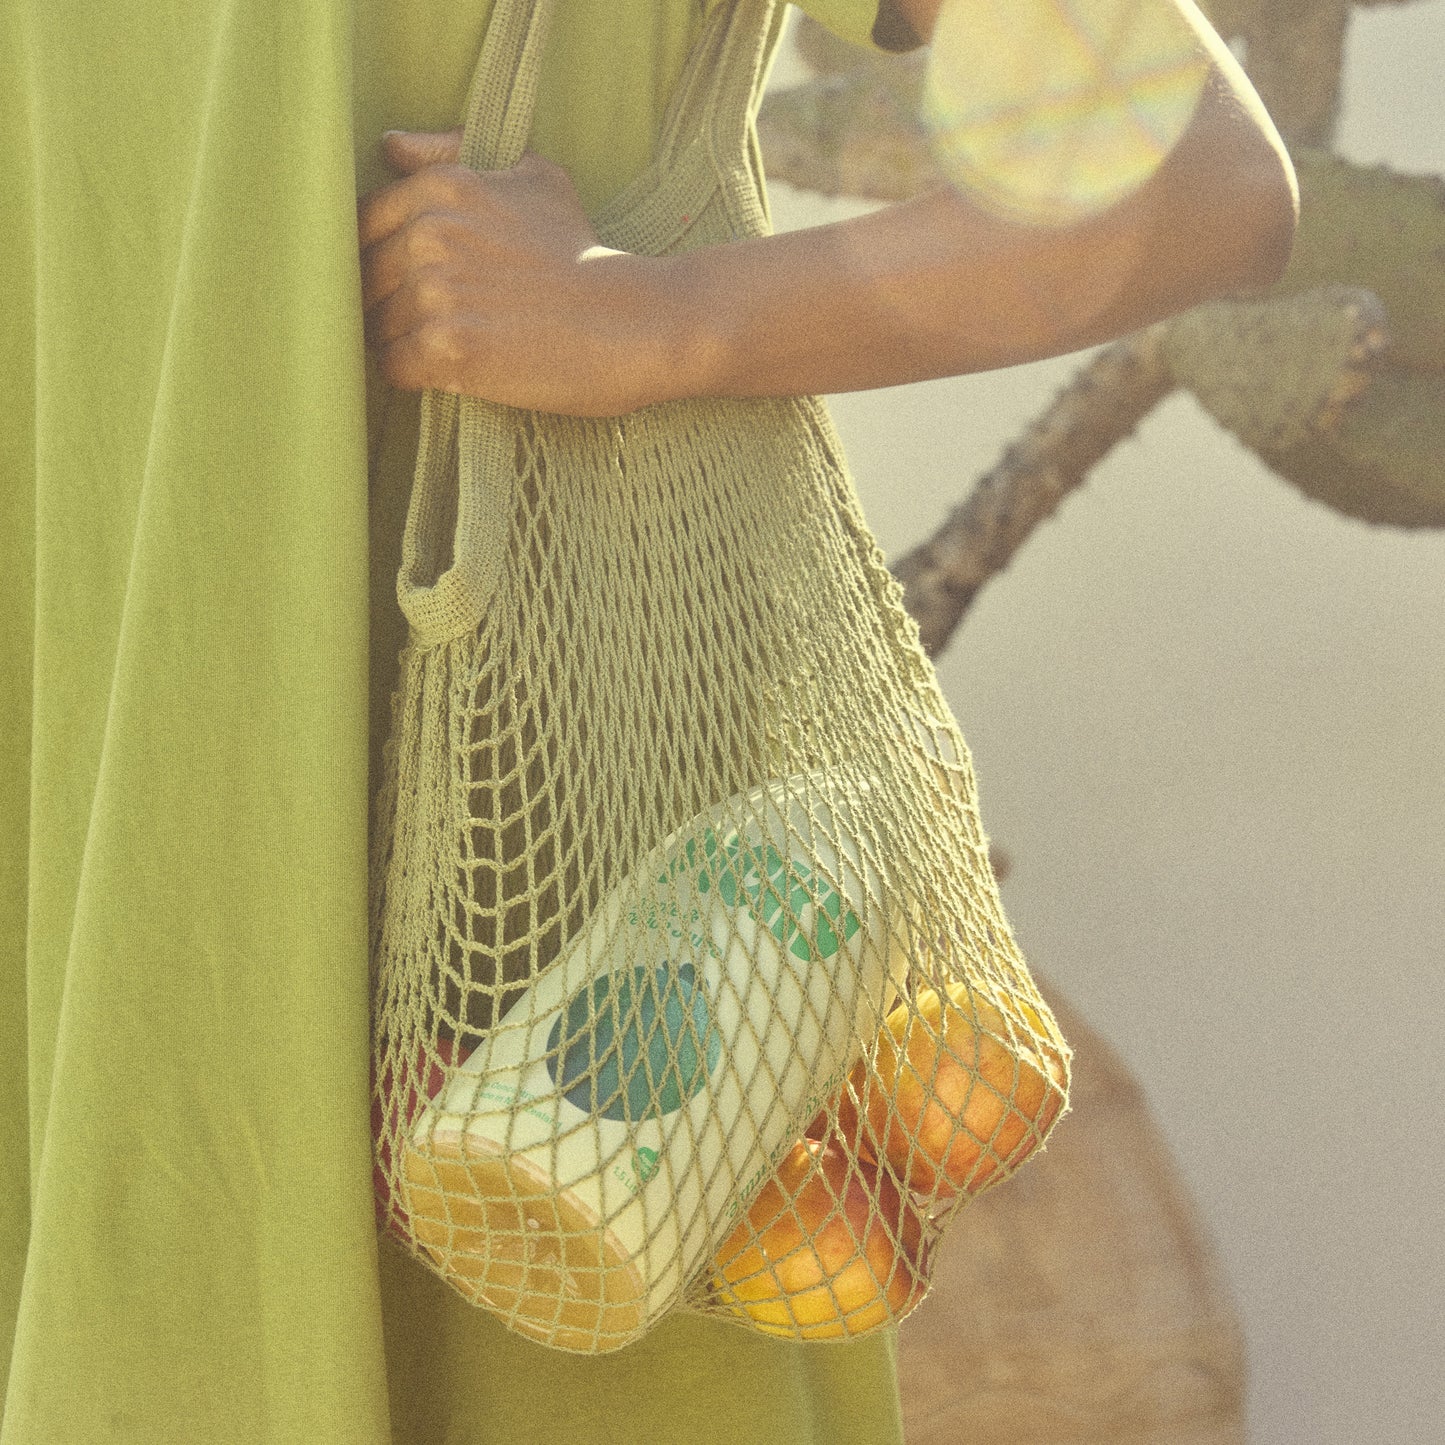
pixel 853 130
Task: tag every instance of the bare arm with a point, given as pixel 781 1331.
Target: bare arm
pixel 496 285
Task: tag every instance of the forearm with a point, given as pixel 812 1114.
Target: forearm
pixel 927 288
pixel 939 287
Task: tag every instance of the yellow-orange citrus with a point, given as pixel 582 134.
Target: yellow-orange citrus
pixel 959 1098
pixel 825 1252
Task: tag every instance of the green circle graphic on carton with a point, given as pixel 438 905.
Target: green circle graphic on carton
pixel 636 1044
pixel 778 891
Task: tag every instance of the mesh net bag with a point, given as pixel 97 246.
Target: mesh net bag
pixel 691 984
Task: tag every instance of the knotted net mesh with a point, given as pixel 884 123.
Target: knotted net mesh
pixel 691 983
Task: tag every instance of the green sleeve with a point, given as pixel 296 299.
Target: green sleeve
pixel 874 23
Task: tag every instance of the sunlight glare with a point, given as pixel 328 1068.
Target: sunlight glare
pixel 1050 111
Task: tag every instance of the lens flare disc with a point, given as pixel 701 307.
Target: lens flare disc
pixel 1050 111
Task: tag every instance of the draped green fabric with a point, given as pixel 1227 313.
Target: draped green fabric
pixel 196 602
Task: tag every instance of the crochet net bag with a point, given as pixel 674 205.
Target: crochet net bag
pixel 691 983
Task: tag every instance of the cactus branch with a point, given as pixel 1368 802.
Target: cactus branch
pixel 1099 407
pixel 1280 374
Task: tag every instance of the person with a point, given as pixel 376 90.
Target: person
pixel 198 594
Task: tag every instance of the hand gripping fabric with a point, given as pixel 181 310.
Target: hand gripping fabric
pixel 691 983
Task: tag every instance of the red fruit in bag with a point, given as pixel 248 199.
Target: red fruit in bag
pixel 845 1129
pixel 388 1211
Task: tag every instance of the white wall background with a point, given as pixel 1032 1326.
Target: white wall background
pixel 1208 718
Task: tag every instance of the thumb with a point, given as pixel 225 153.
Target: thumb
pixel 409 150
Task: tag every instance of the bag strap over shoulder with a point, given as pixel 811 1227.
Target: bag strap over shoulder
pixel 723 79
pixel 715 96
pixel 706 140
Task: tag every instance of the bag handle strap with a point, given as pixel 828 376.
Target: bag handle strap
pixel 503 92
pixel 454 544
pixel 706 139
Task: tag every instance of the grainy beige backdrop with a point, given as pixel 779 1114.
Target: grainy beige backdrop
pixel 1208 718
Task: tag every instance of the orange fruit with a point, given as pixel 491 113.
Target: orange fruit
pixel 829 1248
pixel 956 1098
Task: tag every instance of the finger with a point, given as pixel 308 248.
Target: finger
pixel 427 239
pixel 387 209
pixel 535 163
pixel 409 151
pixel 421 301
pixel 385 264
pixel 425 358
pixel 393 207
pixel 444 186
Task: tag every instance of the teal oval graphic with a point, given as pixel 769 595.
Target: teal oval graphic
pixel 635 1044
pixel 777 891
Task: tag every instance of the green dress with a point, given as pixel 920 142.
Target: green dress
pixel 198 633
